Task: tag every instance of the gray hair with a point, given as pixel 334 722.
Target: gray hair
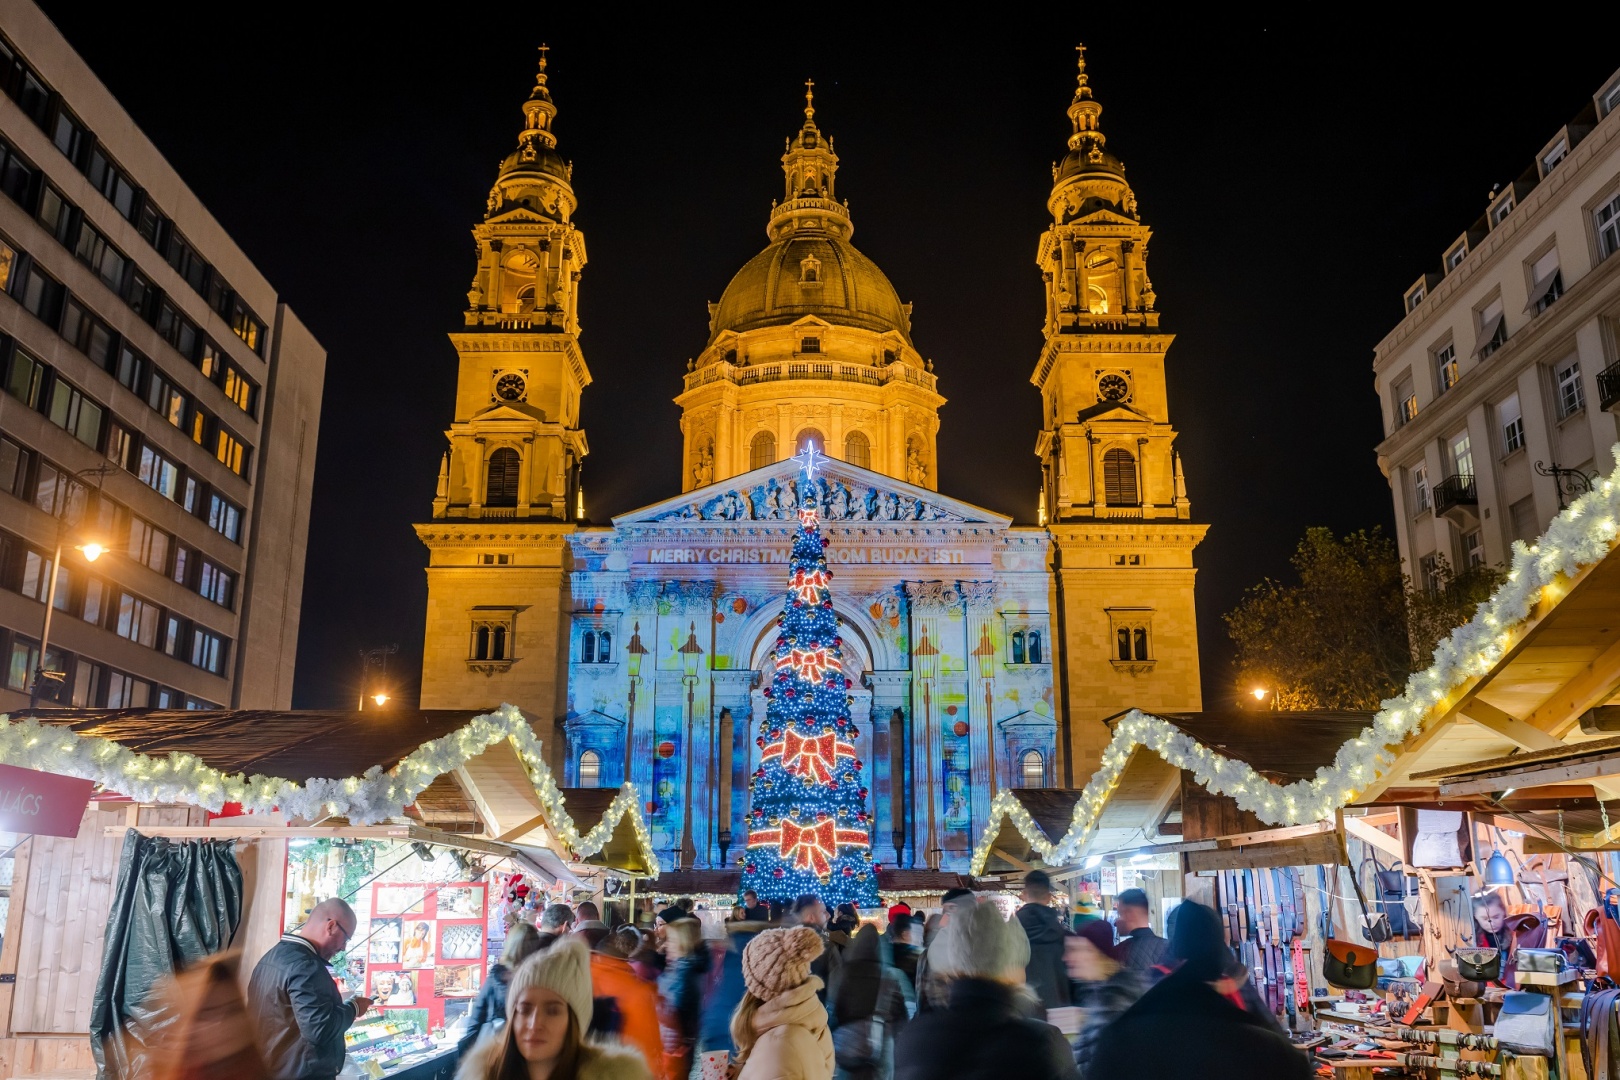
pixel 556 917
pixel 980 944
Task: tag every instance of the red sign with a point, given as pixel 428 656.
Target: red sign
pixel 41 803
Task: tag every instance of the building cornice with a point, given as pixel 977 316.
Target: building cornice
pixel 518 342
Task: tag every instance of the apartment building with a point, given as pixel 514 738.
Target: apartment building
pixel 158 409
pixel 1500 383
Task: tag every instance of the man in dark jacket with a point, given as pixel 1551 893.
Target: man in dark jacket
pixel 982 1033
pixel 1185 1024
pixel 1045 973
pixel 1134 924
pixel 294 1003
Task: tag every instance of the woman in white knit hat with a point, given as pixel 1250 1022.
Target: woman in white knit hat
pixel 548 1009
pixel 780 1028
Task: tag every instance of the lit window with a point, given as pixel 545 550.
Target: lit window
pixel 1032 769
pixel 1420 488
pixel 858 450
pixel 1606 219
pixel 1571 397
pixel 231 452
pixel 762 450
pixel 810 437
pixel 1462 455
pixel 1406 405
pixel 1446 371
pixel 590 769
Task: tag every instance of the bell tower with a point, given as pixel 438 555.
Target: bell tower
pixel 508 490
pixel 515 443
pixel 1112 490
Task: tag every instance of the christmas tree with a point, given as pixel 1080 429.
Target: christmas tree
pixel 808 829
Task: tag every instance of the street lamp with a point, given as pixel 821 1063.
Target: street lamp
pixel 1259 693
pixel 635 651
pixel 927 659
pixel 986 652
pixel 691 656
pixel 91 551
pixel 378 658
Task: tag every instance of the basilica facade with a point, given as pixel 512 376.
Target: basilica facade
pixel 984 654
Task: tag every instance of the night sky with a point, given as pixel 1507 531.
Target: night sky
pixel 1296 180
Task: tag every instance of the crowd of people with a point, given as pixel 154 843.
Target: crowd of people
pixel 799 992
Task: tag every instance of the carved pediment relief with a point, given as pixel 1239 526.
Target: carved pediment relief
pixel 843 493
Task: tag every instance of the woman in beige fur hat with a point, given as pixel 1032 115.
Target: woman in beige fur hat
pixel 548 1009
pixel 780 1028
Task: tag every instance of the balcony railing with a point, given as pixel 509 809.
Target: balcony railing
pixel 1455 497
pixel 804 368
pixel 1609 388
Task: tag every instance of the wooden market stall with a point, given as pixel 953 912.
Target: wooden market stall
pixel 464 794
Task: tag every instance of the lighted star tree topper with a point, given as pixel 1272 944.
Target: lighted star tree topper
pixel 808 827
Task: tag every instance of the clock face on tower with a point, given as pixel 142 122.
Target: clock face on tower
pixel 510 387
pixel 1112 387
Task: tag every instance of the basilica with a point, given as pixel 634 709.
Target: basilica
pixel 984 654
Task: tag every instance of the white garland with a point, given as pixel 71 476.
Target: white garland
pixel 364 800
pixel 1580 536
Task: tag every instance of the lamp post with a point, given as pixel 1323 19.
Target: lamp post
pixel 92 551
pixel 691 656
pixel 927 656
pixel 378 658
pixel 634 651
pixel 986 653
pixel 1572 482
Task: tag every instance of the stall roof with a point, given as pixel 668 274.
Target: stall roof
pixel 300 745
pixel 625 850
pixel 1284 746
pixel 1519 675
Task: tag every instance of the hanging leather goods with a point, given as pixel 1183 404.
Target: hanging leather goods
pixel 1527 1024
pixel 1375 925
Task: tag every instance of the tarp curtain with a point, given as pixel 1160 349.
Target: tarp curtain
pixel 176 902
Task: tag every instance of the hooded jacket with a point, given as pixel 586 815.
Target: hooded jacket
pixel 793 1043
pixel 1184 1025
pixel 1045 973
pixel 597 1061
pixel 635 1001
pixel 982 1034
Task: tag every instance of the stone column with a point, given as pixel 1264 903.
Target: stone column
pixel 1082 301
pixel 525 475
pixel 1127 285
pixel 477 480
pixel 891 700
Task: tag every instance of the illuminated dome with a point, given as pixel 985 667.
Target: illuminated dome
pixel 811 273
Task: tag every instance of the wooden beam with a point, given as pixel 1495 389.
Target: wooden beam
pixel 1510 728
pixel 401 833
pixel 1301 851
pixel 1591 769
pixel 522 830
pixel 1239 840
pixel 1019 863
pixel 1593 686
pixel 1378 838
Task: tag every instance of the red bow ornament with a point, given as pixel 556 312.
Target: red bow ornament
pixel 810 665
pixel 807 585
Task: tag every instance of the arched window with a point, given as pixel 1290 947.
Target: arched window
pixel 1033 769
pixel 858 450
pixel 1119 478
pixel 1140 636
pixel 1018 647
pixel 497 645
pixel 502 486
pixel 481 643
pixel 590 769
pixel 525 298
pixel 587 652
pixel 1034 646
pixel 1124 640
pixel 762 451
pixel 604 648
pixel 806 437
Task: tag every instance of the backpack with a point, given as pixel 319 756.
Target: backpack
pixel 859 1043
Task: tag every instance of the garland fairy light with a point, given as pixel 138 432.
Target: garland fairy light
pixel 364 800
pixel 1580 536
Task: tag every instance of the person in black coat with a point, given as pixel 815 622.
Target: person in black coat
pixel 1184 1025
pixel 982 1033
pixel 293 1003
pixel 489 1007
pixel 1046 973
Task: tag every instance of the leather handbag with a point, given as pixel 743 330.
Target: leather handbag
pixel 1478 964
pixel 1392 888
pixel 1529 930
pixel 1525 1026
pixel 1350 965
pixel 1456 985
pixel 1544 961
